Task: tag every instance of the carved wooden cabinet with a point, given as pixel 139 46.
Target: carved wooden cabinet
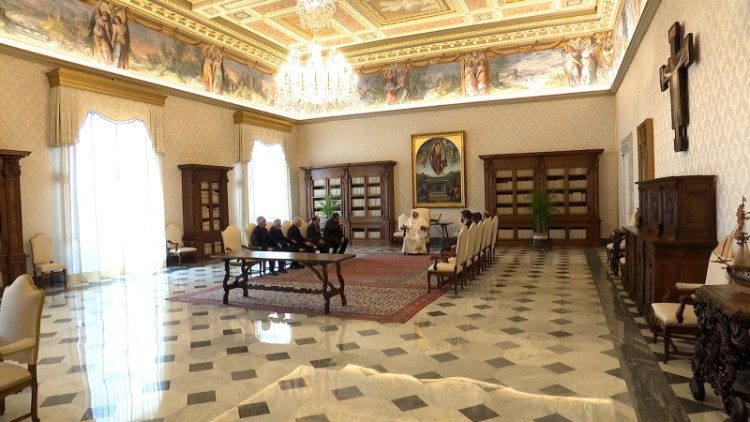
pixel 675 238
pixel 365 194
pixel 205 207
pixel 572 177
pixel 12 257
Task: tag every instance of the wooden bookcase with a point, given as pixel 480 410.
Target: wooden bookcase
pixel 571 176
pixel 12 257
pixel 205 207
pixel 365 192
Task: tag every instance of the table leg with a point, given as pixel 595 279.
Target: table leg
pixel 341 284
pixel 326 289
pixel 226 279
pixel 244 278
pixel 445 232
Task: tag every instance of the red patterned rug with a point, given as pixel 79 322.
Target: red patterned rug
pixel 379 287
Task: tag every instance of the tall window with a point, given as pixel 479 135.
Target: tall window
pixel 268 193
pixel 115 200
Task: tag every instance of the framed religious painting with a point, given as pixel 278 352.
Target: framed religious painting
pixel 438 170
pixel 646 150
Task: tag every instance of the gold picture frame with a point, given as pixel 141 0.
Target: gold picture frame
pixel 438 164
pixel 646 150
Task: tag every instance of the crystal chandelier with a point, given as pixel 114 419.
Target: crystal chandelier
pixel 317 84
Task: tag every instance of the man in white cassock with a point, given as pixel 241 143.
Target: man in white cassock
pixel 416 231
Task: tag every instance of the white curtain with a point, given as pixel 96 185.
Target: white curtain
pixel 268 182
pixel 112 200
pixel 271 197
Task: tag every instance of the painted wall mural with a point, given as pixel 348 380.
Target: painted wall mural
pixel 110 35
pixel 625 24
pixel 569 63
pixel 102 32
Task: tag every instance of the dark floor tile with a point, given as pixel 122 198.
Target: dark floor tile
pixel 292 383
pixel 231 331
pixel 348 346
pixel 58 400
pixel 202 366
pixel 479 412
pixel 157 386
pixel 347 393
pixel 499 362
pixel 202 397
pixel 394 351
pixel 50 361
pixel 406 404
pixel 237 350
pixel 306 340
pixel 322 363
pixel 253 409
pixel 432 375
pixel 244 375
pixel 313 418
pixel 444 357
pixel 366 333
pixel 277 356
pixel 555 417
pixel 100 412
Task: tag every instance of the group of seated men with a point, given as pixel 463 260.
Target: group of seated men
pixel 331 239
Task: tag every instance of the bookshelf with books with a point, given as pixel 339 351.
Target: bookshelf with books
pixel 365 194
pixel 205 207
pixel 572 177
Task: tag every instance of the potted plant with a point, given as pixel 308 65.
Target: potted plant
pixel 329 206
pixel 541 208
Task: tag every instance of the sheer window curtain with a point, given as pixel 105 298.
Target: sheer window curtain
pixel 112 199
pixel 268 182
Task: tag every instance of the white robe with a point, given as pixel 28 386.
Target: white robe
pixel 414 239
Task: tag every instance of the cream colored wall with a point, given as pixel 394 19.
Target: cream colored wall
pixel 719 97
pixel 195 133
pixel 568 124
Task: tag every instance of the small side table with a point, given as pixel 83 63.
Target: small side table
pixel 723 346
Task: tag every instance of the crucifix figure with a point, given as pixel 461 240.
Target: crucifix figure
pixel 673 75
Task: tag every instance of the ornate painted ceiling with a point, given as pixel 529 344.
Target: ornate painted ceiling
pixel 379 31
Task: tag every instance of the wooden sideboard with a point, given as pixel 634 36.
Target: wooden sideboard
pixel 12 257
pixel 674 241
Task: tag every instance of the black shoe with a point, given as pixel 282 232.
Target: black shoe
pixel 274 273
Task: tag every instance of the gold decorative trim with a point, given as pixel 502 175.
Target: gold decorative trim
pixel 270 122
pixel 103 85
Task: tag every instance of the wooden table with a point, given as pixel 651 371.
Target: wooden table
pixel 309 260
pixel 723 346
pixel 441 227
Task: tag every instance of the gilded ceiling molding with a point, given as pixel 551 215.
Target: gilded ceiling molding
pixel 105 85
pixel 270 122
pixel 175 17
pixel 482 37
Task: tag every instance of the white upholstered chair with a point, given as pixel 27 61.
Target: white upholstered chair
pixel 232 239
pixel 495 222
pixel 476 258
pixel 20 316
pixel 470 241
pixel 486 240
pixel 174 243
pixel 303 228
pixel 670 317
pixel 398 235
pixel 249 233
pixel 449 270
pixel 42 255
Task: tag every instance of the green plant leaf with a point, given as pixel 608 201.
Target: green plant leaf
pixel 541 207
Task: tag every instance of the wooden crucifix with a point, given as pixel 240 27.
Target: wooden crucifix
pixel 673 75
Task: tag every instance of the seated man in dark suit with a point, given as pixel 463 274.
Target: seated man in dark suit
pixel 262 240
pixel 315 236
pixel 277 236
pixel 333 233
pixel 297 242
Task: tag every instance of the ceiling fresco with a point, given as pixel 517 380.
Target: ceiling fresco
pixel 378 31
pixel 407 53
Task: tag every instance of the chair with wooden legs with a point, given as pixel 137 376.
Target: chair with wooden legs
pixel 476 259
pixel 20 317
pixel 232 239
pixel 493 241
pixel 449 270
pixel 42 255
pixel 470 240
pixel 672 317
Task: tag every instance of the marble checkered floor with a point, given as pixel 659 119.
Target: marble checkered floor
pixel 527 340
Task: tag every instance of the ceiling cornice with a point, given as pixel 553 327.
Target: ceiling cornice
pixel 175 15
pixel 103 85
pixel 270 122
